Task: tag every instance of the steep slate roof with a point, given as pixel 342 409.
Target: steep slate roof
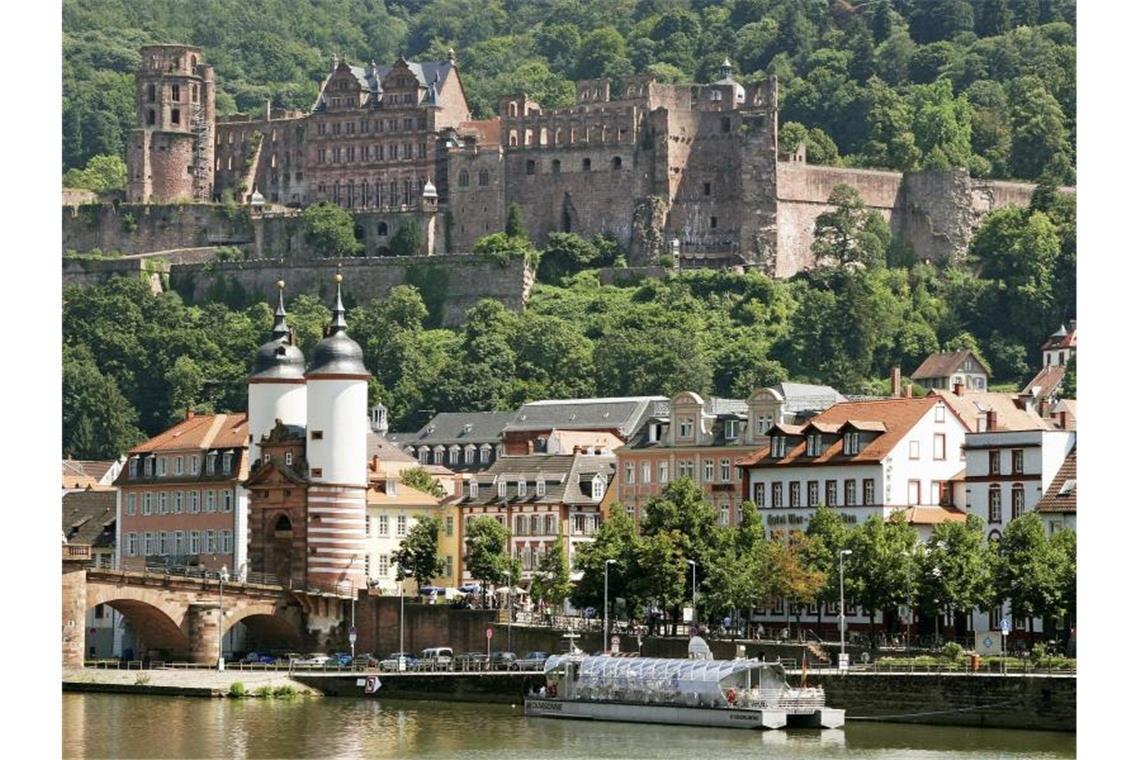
pixel 568 478
pixel 625 415
pixel 898 416
pixel 718 406
pixel 1047 381
pixel 204 431
pixel 388 451
pixel 799 397
pixel 944 365
pixel 89 517
pixel 452 427
pixel 974 404
pixel 1054 500
pixel 425 72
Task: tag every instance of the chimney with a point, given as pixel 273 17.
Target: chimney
pixel 189 413
pixel 1019 402
pixel 896 382
pixel 991 420
pixel 909 390
pixel 1064 419
pixel 376 463
pixel 530 447
pixel 958 389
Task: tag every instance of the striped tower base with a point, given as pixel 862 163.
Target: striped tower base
pixel 336 536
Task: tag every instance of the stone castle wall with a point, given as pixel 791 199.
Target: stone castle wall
pixel 139 228
pixel 449 285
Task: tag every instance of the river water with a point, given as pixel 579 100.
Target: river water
pixel 129 726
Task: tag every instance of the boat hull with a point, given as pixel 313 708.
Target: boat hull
pixel 679 715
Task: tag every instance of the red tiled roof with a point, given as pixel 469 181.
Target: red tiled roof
pixel 205 431
pixel 944 365
pixel 1048 381
pixel 1068 340
pixel 1054 500
pixel 974 404
pixel 896 415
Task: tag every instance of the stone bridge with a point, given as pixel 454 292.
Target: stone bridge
pixel 178 616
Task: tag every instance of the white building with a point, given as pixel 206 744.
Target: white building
pixel 861 458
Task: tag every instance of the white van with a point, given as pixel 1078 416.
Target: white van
pixel 437 658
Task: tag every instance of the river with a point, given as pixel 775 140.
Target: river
pixel 129 726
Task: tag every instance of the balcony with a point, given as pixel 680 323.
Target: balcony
pixel 77 552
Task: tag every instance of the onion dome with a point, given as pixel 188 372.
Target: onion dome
pixel 279 359
pixel 726 78
pixel 337 354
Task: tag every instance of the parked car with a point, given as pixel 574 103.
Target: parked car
pixel 253 658
pixel 314 658
pixel 343 659
pixel 436 658
pixel 289 658
pixel 532 661
pixel 472 661
pixel 392 661
pixel 502 660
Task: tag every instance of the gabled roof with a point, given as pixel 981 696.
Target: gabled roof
pixel 623 415
pixel 485 131
pixel 972 405
pixel 896 415
pixel 203 431
pixel 1061 496
pixel 1047 382
pixel 1060 339
pixel 89 517
pixel 568 478
pixel 799 397
pixel 79 473
pixel 371 79
pixel 944 365
pixel 457 427
pixel 388 451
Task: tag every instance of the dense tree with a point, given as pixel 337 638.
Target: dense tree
pixel 849 233
pixel 515 228
pixel 551 583
pixel 407 241
pixel 883 565
pixel 486 552
pixel 421 480
pixel 329 230
pixel 98 422
pixel 617 539
pixel 1027 572
pixel 101 174
pixel 418 555
pixel 955 569
pixel 1039 137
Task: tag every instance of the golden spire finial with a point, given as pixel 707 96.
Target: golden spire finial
pixel 339 277
pixel 280 284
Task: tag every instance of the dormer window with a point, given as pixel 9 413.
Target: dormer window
pixel 469 455
pixel 779 446
pixel 289 457
pixel 503 488
pixel 686 427
pixel 730 430
pixel 540 486
pixel 391 487
pixel 850 443
pixel 177 465
pixel 133 468
pixel 194 464
pixel 598 488
pixel 211 463
pixel 522 489
pixel 148 467
pixel 814 445
pixel 473 489
pixel 266 458
pixel 227 461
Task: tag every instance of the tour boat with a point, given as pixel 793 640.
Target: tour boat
pixel 741 693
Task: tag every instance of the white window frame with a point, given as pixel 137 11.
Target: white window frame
pixel 725 470
pixel 473 489
pixel 147 505
pixel 132 544
pixel 540 486
pixel 940 413
pixel 598 488
pixel 227 542
pixel 195 508
pixel 178 465
pixel 227 501
pixel 502 488
pixel 195 542
pixel 939 438
pixel 211 541
pixel 401 526
pixel 629 473
pixel 131 504
pixel 914 449
pixel 194 464
pixel 521 488
pixel 663 471
pixel 211 504
pixel 162 467
pixel 710 468
pixel 382 526
pixel 176 505
pixel 730 430
pixel 646 472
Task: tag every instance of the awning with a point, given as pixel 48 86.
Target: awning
pixel 431 590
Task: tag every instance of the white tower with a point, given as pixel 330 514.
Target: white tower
pixel 277 385
pixel 337 455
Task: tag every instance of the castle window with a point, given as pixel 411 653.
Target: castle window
pixel 193 61
pixel 530 166
pixel 150 93
pixel 194 93
pixel 150 117
pixel 726 124
pixel 708 188
pixel 514 109
pixel 317 472
pixel 585 164
pixel 175 116
pixel 556 166
pixel 484 178
pixel 382 228
pixel 464 180
pixel 616 163
pixel 175 93
pixel 712 222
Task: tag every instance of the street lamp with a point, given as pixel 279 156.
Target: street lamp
pixel 606 607
pixel 510 607
pixel 694 565
pixel 223 576
pixel 842 608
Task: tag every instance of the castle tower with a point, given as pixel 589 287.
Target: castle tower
pixel 337 453
pixel 277 390
pixel 170 154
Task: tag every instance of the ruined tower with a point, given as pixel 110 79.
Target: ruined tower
pixel 170 154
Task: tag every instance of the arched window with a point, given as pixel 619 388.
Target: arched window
pixel 464 179
pixel 616 163
pixel 1018 500
pixel 283 525
pixel 995 503
pixel 150 93
pixel 193 61
pixel 382 229
pixel 585 164
pixel 484 178
pixel 514 137
pixel 556 166
pixel 514 110
pixel 530 166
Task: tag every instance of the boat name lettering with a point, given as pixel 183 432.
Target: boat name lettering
pixel 743 716
pixel 555 706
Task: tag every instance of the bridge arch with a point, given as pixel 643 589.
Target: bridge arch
pixel 266 628
pixel 160 626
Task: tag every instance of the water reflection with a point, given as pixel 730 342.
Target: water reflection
pixel 103 725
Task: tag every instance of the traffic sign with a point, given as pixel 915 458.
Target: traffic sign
pixel 844 661
pixel 1005 626
pixel 352 635
pixel 615 644
pixel 489 632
